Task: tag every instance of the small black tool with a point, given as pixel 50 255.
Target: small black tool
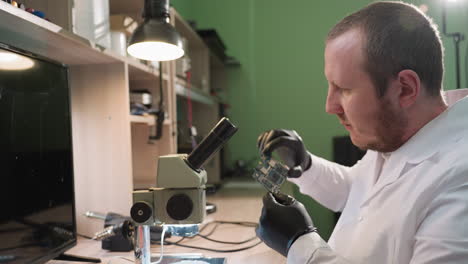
pixel 121 241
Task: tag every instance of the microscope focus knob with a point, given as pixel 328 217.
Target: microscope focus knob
pixel 179 207
pixel 141 212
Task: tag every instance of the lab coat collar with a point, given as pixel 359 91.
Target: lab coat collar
pixel 449 126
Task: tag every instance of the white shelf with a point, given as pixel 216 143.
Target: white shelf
pixel 195 94
pixel 147 119
pixel 26 31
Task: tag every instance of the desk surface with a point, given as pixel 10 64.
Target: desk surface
pixel 236 201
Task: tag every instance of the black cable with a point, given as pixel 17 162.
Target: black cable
pixel 219 250
pixel 161 81
pixel 227 242
pixel 212 230
pixel 158 241
pixel 217 223
pixel 85 236
pixel 159 115
pixel 206 236
pixel 242 223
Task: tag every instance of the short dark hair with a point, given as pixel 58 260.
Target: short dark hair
pixel 398 36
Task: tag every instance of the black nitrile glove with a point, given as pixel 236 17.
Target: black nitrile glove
pixel 280 225
pixel 289 147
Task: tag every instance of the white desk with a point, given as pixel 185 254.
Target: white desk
pixel 235 202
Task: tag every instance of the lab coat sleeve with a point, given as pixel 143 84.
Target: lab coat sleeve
pixel 327 182
pixel 442 237
pixel 311 248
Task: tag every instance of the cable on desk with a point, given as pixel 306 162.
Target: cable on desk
pixel 227 242
pixel 218 250
pixel 217 223
pixel 206 236
pixel 243 223
pixel 85 236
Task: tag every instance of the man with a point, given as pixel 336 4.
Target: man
pixel 406 201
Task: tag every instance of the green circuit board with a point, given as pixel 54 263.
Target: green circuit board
pixel 270 173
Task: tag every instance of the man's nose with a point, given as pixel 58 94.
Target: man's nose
pixel 333 104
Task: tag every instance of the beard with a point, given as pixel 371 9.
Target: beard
pixel 390 127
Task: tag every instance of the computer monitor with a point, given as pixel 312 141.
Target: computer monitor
pixel 37 212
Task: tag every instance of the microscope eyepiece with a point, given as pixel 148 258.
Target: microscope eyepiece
pixel 217 137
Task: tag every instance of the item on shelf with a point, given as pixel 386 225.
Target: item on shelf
pixel 91 20
pixel 216 45
pixel 119 42
pixel 138 109
pixel 141 97
pixel 154 64
pixel 205 84
pixel 14 3
pixel 22 6
pixel 39 13
pixel 123 24
pixel 183 64
pixel 214 42
pixel 231 61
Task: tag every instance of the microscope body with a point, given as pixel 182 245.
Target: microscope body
pixel 178 200
pixel 179 196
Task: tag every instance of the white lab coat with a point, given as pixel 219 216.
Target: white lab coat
pixel 416 212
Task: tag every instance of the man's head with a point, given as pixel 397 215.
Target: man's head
pixel 381 63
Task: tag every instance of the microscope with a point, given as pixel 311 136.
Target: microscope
pixel 178 200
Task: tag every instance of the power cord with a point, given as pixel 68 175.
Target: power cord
pixel 218 250
pixel 206 236
pixel 159 115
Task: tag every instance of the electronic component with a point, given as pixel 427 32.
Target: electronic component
pixel 270 173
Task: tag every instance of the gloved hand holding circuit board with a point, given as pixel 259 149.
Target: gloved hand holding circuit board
pixel 272 174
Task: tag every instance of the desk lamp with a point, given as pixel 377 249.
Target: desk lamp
pixel 155 39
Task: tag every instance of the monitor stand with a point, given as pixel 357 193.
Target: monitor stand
pixel 68 257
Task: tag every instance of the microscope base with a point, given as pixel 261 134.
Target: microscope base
pixel 185 259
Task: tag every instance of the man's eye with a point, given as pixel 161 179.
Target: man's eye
pixel 344 91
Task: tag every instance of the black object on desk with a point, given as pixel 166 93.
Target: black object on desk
pixel 68 257
pixel 117 242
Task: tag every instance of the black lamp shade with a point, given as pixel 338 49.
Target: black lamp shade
pixel 155 40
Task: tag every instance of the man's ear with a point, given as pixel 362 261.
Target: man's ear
pixel 409 87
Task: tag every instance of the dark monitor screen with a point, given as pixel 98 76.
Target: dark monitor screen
pixel 37 221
